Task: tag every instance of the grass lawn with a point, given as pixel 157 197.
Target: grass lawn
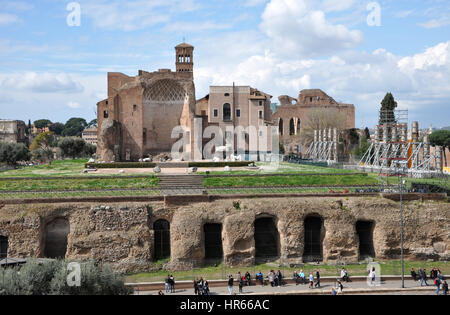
pixel 391 267
pixel 78 184
pixel 295 180
pixel 57 168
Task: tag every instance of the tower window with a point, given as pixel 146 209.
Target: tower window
pixel 227 94
pixel 260 103
pixel 216 113
pixel 260 114
pixel 238 113
pixel 310 99
pixel 226 111
pixel 134 107
pixel 105 114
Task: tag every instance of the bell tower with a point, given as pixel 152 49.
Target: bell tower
pixel 184 58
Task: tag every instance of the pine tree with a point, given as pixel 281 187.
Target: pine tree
pixel 388 106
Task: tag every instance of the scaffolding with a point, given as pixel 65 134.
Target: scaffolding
pixel 324 146
pixel 393 153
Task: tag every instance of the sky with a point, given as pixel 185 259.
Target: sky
pixel 54 54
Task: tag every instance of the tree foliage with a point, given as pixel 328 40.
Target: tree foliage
pixel 11 153
pixel 43 140
pixel 387 111
pixel 50 278
pixel 57 128
pixel 74 127
pixel 72 146
pixel 42 123
pixel 441 138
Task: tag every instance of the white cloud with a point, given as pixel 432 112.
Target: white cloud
pixel 40 82
pixel 73 105
pixel 297 28
pixel 434 56
pixel 435 23
pixel 254 3
pixel 6 18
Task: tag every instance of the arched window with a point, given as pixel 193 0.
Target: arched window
pixel 226 111
pixel 56 238
pixel 266 238
pixel 213 241
pixel 3 247
pixel 298 126
pixel 313 239
pixel 162 239
pixel 291 127
pixel 364 230
pixel 280 127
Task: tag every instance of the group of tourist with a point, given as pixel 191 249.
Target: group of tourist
pixel 299 278
pixel 201 287
pixel 435 275
pixel 169 283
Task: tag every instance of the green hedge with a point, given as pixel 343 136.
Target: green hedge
pixel 219 164
pixel 121 165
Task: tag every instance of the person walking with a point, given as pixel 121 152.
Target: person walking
pixel 167 283
pixel 230 284
pixel 413 274
pixel 311 280
pixel 241 284
pixel 271 277
pixel 206 288
pixel 247 278
pixel 260 277
pixel 445 288
pixel 318 279
pixel 372 275
pixel 172 284
pixel 437 283
pixel 340 287
pixel 423 277
pixel 196 287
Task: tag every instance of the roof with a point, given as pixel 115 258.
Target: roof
pixel 184 45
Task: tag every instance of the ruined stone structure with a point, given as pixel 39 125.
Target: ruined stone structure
pixel 293 113
pixel 131 236
pixel 13 131
pixel 237 108
pixel 140 112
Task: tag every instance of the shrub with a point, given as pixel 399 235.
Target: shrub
pixel 72 146
pixel 42 154
pixel 11 153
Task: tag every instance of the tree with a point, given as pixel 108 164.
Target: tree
pixel 89 149
pixel 362 149
pixel 11 153
pixel 72 146
pixel 74 127
pixel 92 123
pixel 57 128
pixel 42 123
pixel 388 106
pixel 441 138
pixel 367 133
pixel 42 140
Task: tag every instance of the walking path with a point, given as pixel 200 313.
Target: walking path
pixel 385 287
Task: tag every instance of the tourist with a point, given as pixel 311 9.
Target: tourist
pixel 260 277
pixel 172 284
pixel 230 284
pixel 247 278
pixel 372 275
pixel 295 277
pixel 200 286
pixel 279 277
pixel 423 277
pixel 271 277
pixel 311 280
pixel 196 286
pixel 437 283
pixel 167 283
pixel 333 291
pixel 445 287
pixel 318 279
pixel 240 282
pixel 206 288
pixel 344 275
pixel 413 274
pixel 340 287
pixel 302 277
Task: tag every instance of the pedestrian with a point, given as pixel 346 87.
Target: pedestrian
pixel 445 287
pixel 260 277
pixel 167 283
pixel 437 283
pixel 172 284
pixel 196 286
pixel 340 287
pixel 295 277
pixel 200 286
pixel 333 291
pixel 230 284
pixel 247 278
pixel 241 284
pixel 271 277
pixel 372 275
pixel 318 279
pixel 311 280
pixel 413 274
pixel 423 277
pixel 302 277
pixel 206 288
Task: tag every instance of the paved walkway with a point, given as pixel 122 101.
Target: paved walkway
pixel 385 287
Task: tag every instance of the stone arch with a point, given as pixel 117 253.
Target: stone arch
pixel 163 103
pixel 212 233
pixel 161 228
pixel 364 231
pixel 280 127
pixel 291 127
pixel 313 239
pixel 56 234
pixel 3 246
pixel 267 237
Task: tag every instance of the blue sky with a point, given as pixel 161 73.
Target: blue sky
pixel 49 69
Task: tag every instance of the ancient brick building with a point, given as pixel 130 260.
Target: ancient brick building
pixel 140 112
pixel 13 131
pixel 292 114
